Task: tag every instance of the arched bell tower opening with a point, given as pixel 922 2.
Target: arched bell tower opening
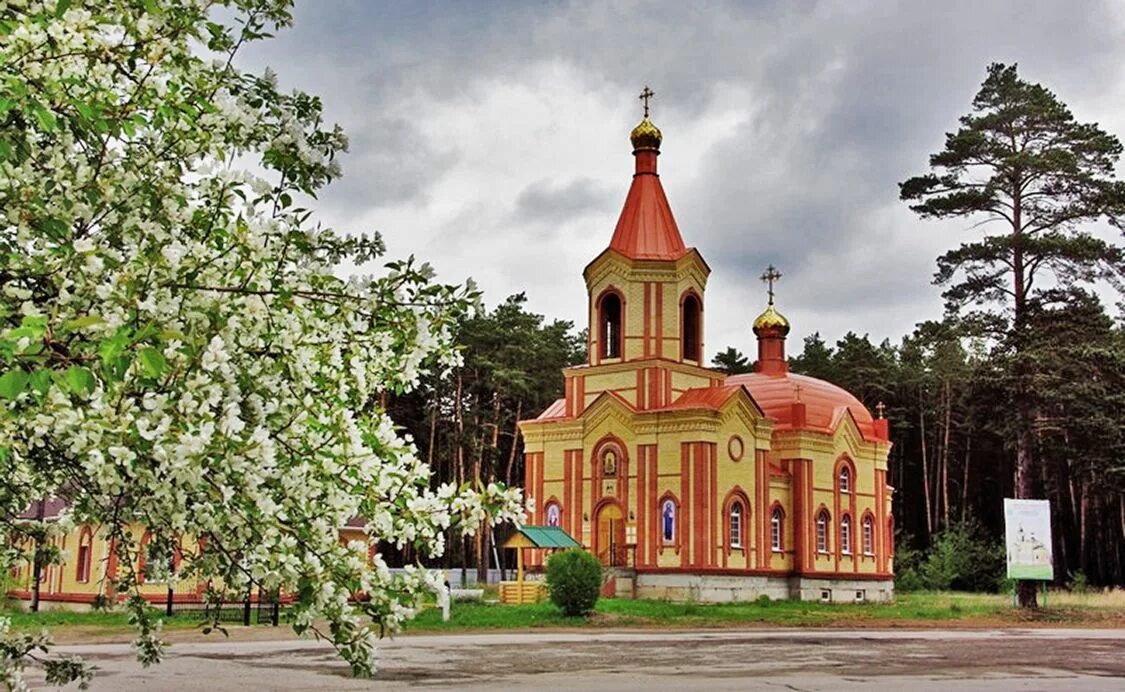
pixel 610 314
pixel 691 328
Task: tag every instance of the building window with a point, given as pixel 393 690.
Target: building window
pixel 868 535
pixel 775 530
pixel 690 332
pixel 736 523
pixel 85 554
pixel 846 535
pixel 845 479
pixel 822 531
pixel 610 325
pixel 142 556
pixel 668 521
pixel 553 514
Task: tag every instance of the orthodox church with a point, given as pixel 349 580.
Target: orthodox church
pixel 689 483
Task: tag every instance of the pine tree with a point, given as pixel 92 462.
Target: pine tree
pixel 1022 161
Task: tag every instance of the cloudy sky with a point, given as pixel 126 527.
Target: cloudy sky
pixel 491 139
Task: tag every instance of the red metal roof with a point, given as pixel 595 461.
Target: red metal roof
pixel 703 397
pixel 646 228
pixel 555 410
pixel 825 403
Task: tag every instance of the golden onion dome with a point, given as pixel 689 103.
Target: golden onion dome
pixel 646 136
pixel 771 320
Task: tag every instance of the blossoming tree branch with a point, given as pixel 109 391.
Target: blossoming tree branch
pixel 178 349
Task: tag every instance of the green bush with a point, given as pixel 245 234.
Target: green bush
pixel 574 581
pixel 961 558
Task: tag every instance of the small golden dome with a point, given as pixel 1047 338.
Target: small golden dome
pixel 771 320
pixel 646 136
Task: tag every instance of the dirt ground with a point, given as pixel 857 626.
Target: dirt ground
pixel 832 659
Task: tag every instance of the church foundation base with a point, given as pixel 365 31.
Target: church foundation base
pixel 707 588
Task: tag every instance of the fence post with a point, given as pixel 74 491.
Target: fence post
pixel 275 616
pixel 168 606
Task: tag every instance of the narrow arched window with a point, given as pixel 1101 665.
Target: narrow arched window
pixel 85 554
pixel 736 523
pixel 690 332
pixel 868 536
pixel 846 535
pixel 775 530
pixel 142 556
pixel 845 479
pixel 822 532
pixel 610 325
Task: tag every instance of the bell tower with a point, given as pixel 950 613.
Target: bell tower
pixel 646 293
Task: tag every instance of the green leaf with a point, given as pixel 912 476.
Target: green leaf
pixel 46 118
pixel 84 321
pixel 153 362
pixel 12 383
pixel 62 7
pixel 80 380
pixel 41 381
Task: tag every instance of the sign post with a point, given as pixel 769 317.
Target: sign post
pixel 1027 539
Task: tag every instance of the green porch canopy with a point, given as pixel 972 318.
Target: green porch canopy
pixel 550 537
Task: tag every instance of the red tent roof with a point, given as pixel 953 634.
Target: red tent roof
pixel 646 228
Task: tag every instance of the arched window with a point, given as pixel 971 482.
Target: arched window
pixel 846 535
pixel 775 530
pixel 737 512
pixel 609 325
pixel 822 531
pixel 553 514
pixel 85 554
pixel 142 556
pixel 868 535
pixel 845 479
pixel 690 327
pixel 668 521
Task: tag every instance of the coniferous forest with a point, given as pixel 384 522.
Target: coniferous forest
pixel 1018 390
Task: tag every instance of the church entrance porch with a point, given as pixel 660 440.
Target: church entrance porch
pixel 609 545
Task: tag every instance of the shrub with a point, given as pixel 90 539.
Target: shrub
pixel 961 558
pixel 574 580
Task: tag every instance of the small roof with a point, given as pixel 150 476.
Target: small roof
pixel 541 537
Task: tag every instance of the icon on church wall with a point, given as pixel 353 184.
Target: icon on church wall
pixel 609 464
pixel 552 515
pixel 668 517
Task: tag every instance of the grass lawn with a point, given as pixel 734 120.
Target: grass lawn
pixel 925 609
pixel 908 610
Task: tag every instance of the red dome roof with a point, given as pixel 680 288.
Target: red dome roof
pixel 824 402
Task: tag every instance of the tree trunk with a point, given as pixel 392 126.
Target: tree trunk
pixel 515 444
pixel 965 476
pixel 925 472
pixel 945 454
pixel 1025 489
pixel 459 456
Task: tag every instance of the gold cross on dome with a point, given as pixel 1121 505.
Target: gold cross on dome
pixel 769 277
pixel 881 410
pixel 645 96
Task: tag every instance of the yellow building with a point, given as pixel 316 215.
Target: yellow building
pixel 694 484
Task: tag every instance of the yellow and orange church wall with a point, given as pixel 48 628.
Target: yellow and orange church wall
pixel 659 464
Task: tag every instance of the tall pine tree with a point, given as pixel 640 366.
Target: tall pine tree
pixel 1021 160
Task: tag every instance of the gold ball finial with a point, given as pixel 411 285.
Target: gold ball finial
pixel 771 322
pixel 646 136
